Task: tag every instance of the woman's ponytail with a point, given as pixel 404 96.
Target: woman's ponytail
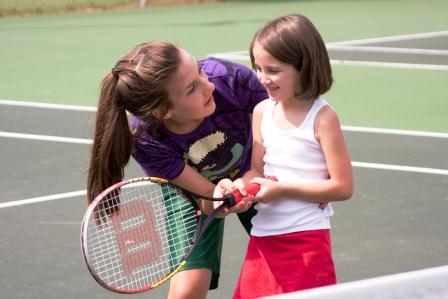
pixel 112 142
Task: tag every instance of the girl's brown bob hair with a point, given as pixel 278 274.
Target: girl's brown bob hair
pixel 294 40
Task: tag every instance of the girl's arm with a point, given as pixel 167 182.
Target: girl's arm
pixel 329 134
pixel 339 185
pixel 258 151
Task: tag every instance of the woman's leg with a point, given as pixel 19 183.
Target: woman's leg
pixel 190 284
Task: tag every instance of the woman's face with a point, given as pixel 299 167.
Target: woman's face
pixel 190 93
pixel 280 79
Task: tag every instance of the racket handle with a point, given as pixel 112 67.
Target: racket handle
pixel 251 189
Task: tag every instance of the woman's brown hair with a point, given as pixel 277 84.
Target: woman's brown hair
pixel 136 85
pixel 294 40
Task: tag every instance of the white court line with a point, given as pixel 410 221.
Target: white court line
pixel 344 128
pixel 355 45
pixel 87 141
pixel 395 132
pixel 355 164
pixel 391 38
pixel 42 199
pixel 370 49
pixel 393 65
pixel 45 138
pixel 400 168
pixel 46 105
pixel 236 56
pixel 244 57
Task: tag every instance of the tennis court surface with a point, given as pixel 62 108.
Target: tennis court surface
pixel 395 222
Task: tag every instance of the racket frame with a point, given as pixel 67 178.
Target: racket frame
pixel 228 201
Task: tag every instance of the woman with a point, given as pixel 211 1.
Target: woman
pixel 191 124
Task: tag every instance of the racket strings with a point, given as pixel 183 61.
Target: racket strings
pixel 107 245
pixel 145 216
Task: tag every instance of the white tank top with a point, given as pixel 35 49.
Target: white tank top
pixel 292 156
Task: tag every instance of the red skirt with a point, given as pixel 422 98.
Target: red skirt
pixel 286 263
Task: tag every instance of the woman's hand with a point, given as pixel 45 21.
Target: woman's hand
pixel 227 186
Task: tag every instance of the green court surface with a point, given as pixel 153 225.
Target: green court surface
pixel 62 58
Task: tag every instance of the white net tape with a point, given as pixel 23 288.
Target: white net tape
pixel 429 283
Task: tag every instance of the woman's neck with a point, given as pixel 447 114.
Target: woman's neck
pixel 182 127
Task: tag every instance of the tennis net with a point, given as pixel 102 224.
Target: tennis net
pixel 431 283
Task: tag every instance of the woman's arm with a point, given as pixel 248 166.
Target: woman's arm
pixel 191 180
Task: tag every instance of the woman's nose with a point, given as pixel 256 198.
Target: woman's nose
pixel 210 87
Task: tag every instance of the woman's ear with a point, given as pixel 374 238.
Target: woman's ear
pixel 161 113
pixel 167 114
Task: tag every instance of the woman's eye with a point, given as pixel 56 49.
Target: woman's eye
pixel 192 89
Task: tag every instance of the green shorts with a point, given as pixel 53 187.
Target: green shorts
pixel 246 218
pixel 207 253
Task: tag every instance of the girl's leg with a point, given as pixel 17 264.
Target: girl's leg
pixel 190 284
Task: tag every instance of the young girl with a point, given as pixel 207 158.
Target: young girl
pixel 191 124
pixel 298 140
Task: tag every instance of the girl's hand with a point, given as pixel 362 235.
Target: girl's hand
pixel 269 190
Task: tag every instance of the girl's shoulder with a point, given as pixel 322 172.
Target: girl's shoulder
pixel 261 106
pixel 324 111
pixel 326 119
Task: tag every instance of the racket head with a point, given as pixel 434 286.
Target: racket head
pixel 132 237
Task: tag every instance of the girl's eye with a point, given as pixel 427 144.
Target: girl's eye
pixel 267 71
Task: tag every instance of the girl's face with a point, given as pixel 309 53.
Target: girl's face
pixel 190 93
pixel 280 79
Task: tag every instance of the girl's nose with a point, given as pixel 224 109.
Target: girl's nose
pixel 263 78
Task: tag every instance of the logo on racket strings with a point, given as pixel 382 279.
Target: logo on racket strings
pixel 138 241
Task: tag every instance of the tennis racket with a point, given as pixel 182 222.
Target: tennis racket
pixel 138 233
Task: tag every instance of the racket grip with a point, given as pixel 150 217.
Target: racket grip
pixel 251 189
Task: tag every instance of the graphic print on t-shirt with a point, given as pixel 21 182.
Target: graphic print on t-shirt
pixel 201 155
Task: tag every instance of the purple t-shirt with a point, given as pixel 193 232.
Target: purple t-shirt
pixel 221 146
